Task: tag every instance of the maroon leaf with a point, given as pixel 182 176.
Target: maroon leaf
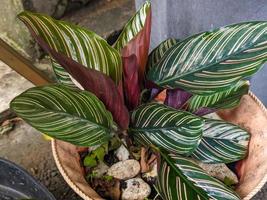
pixel 120 90
pixel 94 81
pixel 155 92
pixel 136 53
pixel 139 46
pixel 131 86
pixel 176 98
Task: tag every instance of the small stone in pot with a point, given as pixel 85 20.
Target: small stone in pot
pixel 124 169
pixel 100 169
pixel 135 189
pixel 122 153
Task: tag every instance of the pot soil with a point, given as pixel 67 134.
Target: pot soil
pixel 252 171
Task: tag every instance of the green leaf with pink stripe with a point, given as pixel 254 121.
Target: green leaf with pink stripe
pixel 211 62
pixel 74 116
pixel 166 128
pixel 78 43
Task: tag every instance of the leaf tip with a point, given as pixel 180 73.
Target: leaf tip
pixel 22 15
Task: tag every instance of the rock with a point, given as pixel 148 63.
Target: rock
pixel 100 169
pixel 136 189
pixel 219 171
pixel 124 170
pixel 122 153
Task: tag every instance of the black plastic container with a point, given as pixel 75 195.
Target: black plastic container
pixel 17 184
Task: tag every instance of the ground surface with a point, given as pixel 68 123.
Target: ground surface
pixel 24 145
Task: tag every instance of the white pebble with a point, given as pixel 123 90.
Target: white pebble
pixel 136 189
pixel 124 169
pixel 122 153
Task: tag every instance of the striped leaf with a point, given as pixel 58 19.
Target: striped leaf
pixel 212 61
pixel 154 58
pixel 133 26
pixel 221 100
pixel 133 44
pixel 166 128
pixel 93 81
pixel 222 142
pixel 76 117
pixel 180 178
pixel 77 43
pixel 156 55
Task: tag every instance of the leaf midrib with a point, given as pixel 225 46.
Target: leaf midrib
pixel 154 129
pixel 223 139
pixel 225 100
pixel 70 116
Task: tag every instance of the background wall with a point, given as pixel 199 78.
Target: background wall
pixel 181 18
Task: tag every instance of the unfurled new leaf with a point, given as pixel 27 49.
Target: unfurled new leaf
pixel 135 26
pixel 180 178
pixel 133 44
pixel 222 142
pixel 166 128
pixel 213 61
pixel 131 83
pixel 78 43
pixel 221 100
pixel 78 117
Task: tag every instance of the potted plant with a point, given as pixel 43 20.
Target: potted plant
pixel 152 107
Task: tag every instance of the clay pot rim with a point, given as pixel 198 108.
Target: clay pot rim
pixel 64 173
pixel 85 197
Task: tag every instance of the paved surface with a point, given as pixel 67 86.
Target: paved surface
pixel 11 84
pixel 262 195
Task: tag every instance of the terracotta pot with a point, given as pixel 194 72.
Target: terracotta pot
pixel 250 114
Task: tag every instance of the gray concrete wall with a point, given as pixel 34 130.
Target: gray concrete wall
pixel 11 29
pixel 182 18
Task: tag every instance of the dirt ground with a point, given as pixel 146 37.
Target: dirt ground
pixel 24 145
